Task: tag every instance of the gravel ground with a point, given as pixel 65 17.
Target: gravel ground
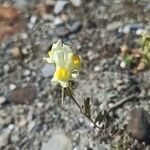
pixel 91 29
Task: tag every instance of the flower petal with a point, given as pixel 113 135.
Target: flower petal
pixel 75 74
pixel 49 60
pixel 64 84
pixel 57 46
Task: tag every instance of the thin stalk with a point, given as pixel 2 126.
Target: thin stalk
pixel 71 96
pixel 62 95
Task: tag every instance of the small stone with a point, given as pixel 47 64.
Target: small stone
pixel 31 125
pixel 24 36
pixel 141 66
pixel 15 138
pixel 15 51
pixel 48 70
pixel 96 68
pixel 90 55
pixel 22 122
pixel 24 51
pixel 75 27
pixel 131 27
pixel 139 125
pixel 11 127
pixel 6 68
pixel 113 26
pixel 26 72
pixel 4 121
pixel 122 64
pixel 40 104
pixel 21 4
pixel 59 6
pixel 30 25
pixel 76 3
pixel 45 10
pixel 57 21
pixel 119 82
pixel 24 95
pixel 33 19
pixel 139 31
pixel 58 142
pixel 2 100
pixel 12 87
pixel 4 138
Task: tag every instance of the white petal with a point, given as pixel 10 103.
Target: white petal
pixel 75 74
pixel 64 84
pixel 54 81
pixel 67 48
pixel 57 46
pixel 49 60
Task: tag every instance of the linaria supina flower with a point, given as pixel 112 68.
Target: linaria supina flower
pixel 67 64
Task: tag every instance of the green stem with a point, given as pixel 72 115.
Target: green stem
pixel 62 95
pixel 71 96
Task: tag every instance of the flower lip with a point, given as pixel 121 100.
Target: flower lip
pixel 76 59
pixel 62 74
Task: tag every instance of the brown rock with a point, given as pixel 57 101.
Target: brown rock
pixel 24 95
pixel 16 52
pixel 9 14
pixel 139 125
pixel 10 21
pixel 44 10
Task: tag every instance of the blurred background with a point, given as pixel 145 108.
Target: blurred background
pixel 31 116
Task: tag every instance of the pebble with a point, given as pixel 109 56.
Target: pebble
pixel 21 4
pixel 113 26
pixel 24 35
pixel 76 26
pixel 4 138
pixel 139 31
pixel 2 100
pixel 130 27
pixel 33 19
pixel 24 51
pixel 44 10
pixel 57 142
pixel 59 6
pixel 139 125
pixel 26 72
pixel 123 65
pixel 76 3
pixel 15 51
pixel 31 125
pixel 24 95
pixel 14 138
pixel 30 25
pixel 22 122
pixel 11 127
pixel 6 68
pixel 91 55
pixel 12 87
pixel 57 21
pixel 96 68
pixel 4 121
pixel 48 70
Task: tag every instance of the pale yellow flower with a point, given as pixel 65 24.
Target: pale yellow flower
pixel 67 68
pixel 67 64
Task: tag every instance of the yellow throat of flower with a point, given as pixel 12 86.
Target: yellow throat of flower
pixel 76 60
pixel 62 74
